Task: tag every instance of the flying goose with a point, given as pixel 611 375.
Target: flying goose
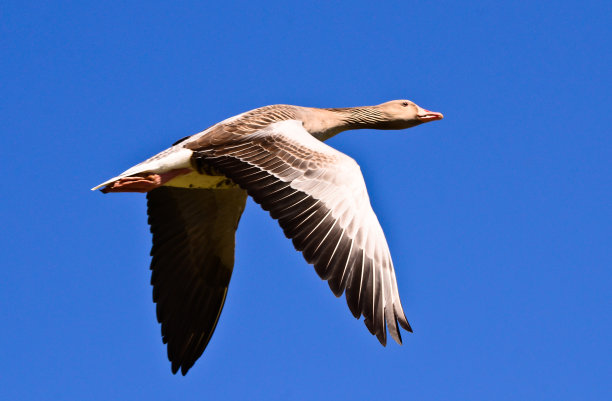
pixel 196 193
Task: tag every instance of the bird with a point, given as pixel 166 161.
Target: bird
pixel 196 192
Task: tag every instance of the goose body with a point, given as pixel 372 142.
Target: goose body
pixel 196 192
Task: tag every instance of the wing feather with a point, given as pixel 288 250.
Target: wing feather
pixel 319 198
pixel 193 257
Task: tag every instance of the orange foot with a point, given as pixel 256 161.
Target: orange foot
pixel 144 182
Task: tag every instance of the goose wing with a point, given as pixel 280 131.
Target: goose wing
pixel 193 258
pixel 319 197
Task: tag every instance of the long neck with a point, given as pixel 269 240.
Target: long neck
pixel 325 123
pixel 360 117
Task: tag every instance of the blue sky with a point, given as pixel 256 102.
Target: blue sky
pixel 498 217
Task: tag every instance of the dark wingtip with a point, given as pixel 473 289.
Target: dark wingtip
pixel 354 310
pixel 334 285
pixel 401 318
pixel 184 368
pixel 368 324
pixel 382 337
pixel 394 330
pixel 175 367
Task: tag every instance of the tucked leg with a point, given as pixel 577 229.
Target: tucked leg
pixel 144 182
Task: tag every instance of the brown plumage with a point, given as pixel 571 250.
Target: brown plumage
pixel 196 192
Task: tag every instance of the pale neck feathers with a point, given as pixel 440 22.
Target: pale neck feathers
pixel 325 123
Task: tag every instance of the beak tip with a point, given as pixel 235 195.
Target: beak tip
pixel 430 116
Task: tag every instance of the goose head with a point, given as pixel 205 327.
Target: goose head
pixel 401 114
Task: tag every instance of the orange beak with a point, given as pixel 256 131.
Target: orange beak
pixel 426 115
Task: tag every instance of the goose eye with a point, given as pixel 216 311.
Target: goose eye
pixel 405 104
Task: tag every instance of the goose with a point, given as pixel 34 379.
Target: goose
pixel 197 190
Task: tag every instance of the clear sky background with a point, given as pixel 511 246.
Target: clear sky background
pixel 498 217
